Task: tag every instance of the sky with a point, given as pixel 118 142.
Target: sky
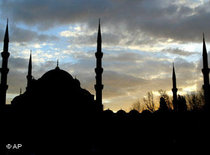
pixel 140 40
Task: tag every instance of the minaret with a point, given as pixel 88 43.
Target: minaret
pixel 99 71
pixel 4 69
pixel 174 89
pixel 205 72
pixel 29 76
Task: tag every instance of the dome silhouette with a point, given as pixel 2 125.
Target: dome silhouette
pixel 56 89
pixel 77 82
pixel 121 112
pixel 57 74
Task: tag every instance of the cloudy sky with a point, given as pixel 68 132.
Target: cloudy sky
pixel 141 39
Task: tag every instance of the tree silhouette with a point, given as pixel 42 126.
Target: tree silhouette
pixel 195 101
pixel 149 102
pixel 166 97
pixel 181 101
pixel 163 105
pixel 137 106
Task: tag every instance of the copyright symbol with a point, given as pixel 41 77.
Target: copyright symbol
pixel 8 146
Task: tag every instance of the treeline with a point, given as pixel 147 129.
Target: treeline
pixel 189 102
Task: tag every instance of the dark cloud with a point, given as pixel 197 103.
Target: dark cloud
pixel 178 51
pixel 119 83
pixel 47 13
pixel 199 65
pixel 115 38
pixel 17 63
pixel 157 19
pixel 25 35
pixel 108 39
pixel 17 74
pixel 21 35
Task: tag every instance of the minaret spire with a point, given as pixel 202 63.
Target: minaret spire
pixel 174 89
pixel 205 72
pixel 205 55
pixel 99 70
pixel 6 35
pixel 4 69
pixel 174 77
pixel 99 40
pixel 29 76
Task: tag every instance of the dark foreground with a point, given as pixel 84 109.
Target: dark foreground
pixel 53 132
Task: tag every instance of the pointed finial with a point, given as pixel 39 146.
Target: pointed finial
pixel 173 68
pixel 173 73
pixel 30 67
pixel 99 40
pixel 57 62
pixel 30 55
pixel 57 67
pixel 204 46
pixel 174 77
pixel 6 36
pixel 99 25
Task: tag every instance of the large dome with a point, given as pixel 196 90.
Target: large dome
pixel 57 74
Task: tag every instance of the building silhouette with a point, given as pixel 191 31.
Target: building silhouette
pixel 56 115
pixel 205 71
pixel 98 70
pixel 4 69
pixel 55 86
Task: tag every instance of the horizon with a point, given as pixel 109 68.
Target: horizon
pixel 138 51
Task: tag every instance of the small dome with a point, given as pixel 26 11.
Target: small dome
pixel 121 112
pixel 134 112
pixel 108 112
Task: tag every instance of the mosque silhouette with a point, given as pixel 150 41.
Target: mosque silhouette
pixel 56 115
